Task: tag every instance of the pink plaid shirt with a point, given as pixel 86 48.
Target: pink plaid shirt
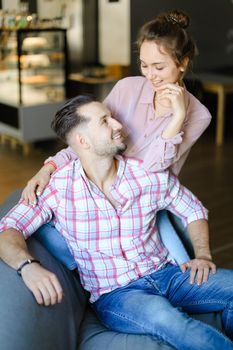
pixel 112 245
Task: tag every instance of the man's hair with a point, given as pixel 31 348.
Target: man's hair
pixel 68 116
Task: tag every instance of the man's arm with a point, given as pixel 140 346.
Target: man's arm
pixel 202 264
pixel 181 202
pixel 42 283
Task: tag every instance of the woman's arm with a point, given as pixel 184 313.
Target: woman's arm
pixel 40 180
pixel 62 157
pixel 172 153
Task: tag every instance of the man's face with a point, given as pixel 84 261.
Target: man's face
pixel 103 133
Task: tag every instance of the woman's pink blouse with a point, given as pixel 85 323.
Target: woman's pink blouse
pixel 131 102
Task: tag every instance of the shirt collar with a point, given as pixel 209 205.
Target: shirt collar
pixel 119 175
pixel 147 95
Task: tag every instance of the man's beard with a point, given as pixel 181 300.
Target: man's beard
pixel 111 150
pixel 121 150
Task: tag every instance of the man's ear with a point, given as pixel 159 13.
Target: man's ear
pixel 81 141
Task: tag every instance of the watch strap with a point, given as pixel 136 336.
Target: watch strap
pixel 28 261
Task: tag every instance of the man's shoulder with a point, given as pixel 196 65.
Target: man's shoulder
pixel 66 170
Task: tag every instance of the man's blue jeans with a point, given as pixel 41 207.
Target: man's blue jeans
pixel 158 304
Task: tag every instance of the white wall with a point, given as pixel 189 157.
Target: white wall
pixel 114 32
pixel 49 9
pixel 10 4
pixel 72 20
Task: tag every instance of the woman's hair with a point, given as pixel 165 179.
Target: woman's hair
pixel 169 29
pixel 68 116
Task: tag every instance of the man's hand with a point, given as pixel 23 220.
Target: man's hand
pixel 43 284
pixel 199 269
pixel 37 184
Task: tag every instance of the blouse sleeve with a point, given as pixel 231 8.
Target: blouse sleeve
pixel 62 157
pixel 112 101
pixel 172 153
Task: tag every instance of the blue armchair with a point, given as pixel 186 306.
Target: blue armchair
pixel 71 325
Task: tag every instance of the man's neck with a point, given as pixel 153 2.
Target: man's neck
pixel 102 171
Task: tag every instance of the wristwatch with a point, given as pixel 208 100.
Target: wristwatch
pixel 28 261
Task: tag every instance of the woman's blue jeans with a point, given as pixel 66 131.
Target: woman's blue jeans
pixel 158 304
pixel 56 244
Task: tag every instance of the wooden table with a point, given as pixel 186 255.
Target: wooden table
pixel 91 80
pixel 97 86
pixel 220 85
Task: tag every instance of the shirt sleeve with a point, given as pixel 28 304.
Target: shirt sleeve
pixel 26 218
pixel 182 202
pixel 62 157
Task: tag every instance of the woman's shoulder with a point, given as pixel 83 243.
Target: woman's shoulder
pixel 135 81
pixel 130 88
pixel 196 107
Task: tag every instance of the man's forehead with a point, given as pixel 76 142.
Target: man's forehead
pixel 93 110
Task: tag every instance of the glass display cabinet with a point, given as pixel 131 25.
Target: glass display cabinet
pixel 33 78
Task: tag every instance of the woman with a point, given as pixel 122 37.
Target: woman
pixel 162 119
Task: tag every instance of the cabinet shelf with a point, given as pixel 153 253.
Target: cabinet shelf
pixel 33 71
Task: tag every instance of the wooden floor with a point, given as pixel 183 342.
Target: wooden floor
pixel 208 172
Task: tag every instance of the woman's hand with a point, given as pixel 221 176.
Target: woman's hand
pixel 175 94
pixel 37 184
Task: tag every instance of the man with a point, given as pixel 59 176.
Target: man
pixel 105 207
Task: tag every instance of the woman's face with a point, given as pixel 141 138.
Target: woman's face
pixel 158 66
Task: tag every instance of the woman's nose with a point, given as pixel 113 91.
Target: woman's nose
pixel 150 74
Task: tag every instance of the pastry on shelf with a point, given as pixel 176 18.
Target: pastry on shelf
pixel 36 42
pixel 56 56
pixel 34 61
pixel 35 79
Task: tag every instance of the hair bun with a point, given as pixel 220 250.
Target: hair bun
pixel 179 18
